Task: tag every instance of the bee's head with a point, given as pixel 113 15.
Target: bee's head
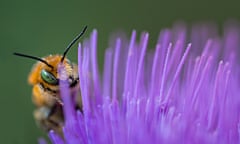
pixel 49 76
pixel 45 71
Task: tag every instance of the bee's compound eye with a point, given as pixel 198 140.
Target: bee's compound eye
pixel 48 77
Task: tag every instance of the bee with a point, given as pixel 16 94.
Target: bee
pixel 45 79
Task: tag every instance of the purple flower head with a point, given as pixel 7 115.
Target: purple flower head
pixel 184 91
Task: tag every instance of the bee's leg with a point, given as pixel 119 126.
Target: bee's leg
pixel 49 119
pixel 55 114
pixel 78 105
pixel 41 116
pixel 52 110
pixel 78 100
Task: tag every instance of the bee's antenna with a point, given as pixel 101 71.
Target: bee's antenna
pixel 33 57
pixel 73 42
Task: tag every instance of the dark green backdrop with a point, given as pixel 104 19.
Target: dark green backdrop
pixel 43 27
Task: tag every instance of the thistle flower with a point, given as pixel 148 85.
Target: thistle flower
pixel 179 92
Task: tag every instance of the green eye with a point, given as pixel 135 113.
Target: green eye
pixel 48 77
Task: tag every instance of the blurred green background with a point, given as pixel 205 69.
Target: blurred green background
pixel 46 27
